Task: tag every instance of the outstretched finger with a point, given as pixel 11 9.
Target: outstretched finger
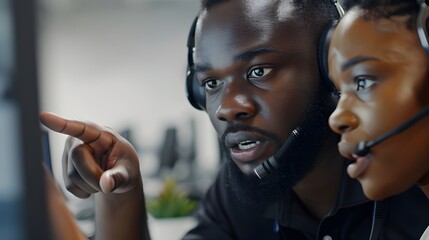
pixel 81 130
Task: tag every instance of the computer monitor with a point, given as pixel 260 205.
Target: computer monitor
pixel 46 150
pixel 22 194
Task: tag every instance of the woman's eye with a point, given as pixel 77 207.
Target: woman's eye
pixel 259 72
pixel 211 84
pixel 364 82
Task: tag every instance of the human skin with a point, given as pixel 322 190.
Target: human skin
pixel 98 161
pixel 381 71
pixel 263 75
pixel 62 222
pixel 257 75
pixel 228 52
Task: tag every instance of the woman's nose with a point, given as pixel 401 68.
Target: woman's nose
pixel 343 119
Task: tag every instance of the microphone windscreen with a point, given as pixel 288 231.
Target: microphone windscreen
pixel 362 149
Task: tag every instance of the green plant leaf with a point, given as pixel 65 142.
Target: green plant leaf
pixel 171 202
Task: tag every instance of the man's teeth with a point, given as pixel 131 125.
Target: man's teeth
pixel 247 144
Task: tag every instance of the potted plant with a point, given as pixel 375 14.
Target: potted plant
pixel 171 202
pixel 170 212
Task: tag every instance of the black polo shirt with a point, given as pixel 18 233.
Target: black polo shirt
pixel 222 217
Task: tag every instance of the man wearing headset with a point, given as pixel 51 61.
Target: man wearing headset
pixel 256 64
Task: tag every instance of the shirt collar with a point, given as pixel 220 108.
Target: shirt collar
pixel 290 211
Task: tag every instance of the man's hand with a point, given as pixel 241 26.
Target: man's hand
pixel 95 158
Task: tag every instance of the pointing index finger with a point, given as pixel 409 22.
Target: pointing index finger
pixel 81 130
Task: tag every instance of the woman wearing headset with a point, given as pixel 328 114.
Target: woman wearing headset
pixel 378 62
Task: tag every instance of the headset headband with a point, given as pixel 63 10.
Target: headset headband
pixel 421 24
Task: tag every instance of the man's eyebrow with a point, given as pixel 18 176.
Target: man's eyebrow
pixel 248 55
pixel 244 56
pixel 202 68
pixel 356 60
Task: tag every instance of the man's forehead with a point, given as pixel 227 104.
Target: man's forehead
pixel 255 16
pixel 232 27
pixel 274 10
pixel 280 9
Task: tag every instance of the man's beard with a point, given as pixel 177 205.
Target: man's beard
pixel 257 193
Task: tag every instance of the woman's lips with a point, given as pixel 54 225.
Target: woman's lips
pixel 359 166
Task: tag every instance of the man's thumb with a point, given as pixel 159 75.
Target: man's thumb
pixel 113 179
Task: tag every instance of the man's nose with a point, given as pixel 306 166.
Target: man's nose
pixel 237 103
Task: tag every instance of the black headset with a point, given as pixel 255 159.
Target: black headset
pixel 196 93
pixel 323 49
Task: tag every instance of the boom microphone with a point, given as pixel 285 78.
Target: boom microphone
pixel 364 147
pixel 271 164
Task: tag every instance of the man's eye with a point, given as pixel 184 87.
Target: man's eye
pixel 211 84
pixel 259 72
pixel 364 82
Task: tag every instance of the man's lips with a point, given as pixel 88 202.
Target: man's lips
pixel 246 146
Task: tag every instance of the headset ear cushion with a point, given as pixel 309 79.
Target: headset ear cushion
pixel 195 92
pixel 322 55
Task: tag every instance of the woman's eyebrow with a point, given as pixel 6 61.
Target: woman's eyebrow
pixel 356 60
